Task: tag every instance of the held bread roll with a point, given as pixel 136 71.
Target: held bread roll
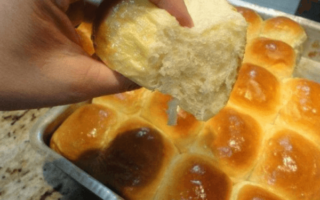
pixel 197 66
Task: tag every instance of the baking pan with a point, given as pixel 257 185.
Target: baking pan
pixel 41 133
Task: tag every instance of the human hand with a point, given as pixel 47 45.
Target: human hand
pixel 41 60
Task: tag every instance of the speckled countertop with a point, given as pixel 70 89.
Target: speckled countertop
pixel 25 174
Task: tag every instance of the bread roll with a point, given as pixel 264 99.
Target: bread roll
pixel 135 158
pixel 195 177
pixel 257 92
pixel 134 154
pixel 254 22
pixel 302 110
pixel 197 66
pixel 251 191
pixel 291 164
pixel 234 139
pixel 183 133
pixel 129 103
pixel 286 30
pixel 276 56
pixel 82 135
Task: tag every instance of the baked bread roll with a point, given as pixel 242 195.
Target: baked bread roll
pixel 234 140
pixel 134 160
pixel 252 191
pixel 286 30
pixel 290 164
pixel 129 103
pixel 194 177
pixel 257 92
pixel 82 135
pixel 128 156
pixel 276 56
pixel 302 107
pixel 197 66
pixel 186 130
pixel 254 20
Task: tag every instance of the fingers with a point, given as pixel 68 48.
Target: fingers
pixel 178 9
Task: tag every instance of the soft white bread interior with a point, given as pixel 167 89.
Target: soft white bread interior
pixel 197 66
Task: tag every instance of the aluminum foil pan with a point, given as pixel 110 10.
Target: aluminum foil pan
pixel 40 134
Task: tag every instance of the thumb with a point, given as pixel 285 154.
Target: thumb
pixel 176 8
pixel 87 78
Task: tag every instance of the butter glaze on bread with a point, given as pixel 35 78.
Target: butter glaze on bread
pixel 284 29
pixel 195 177
pixel 234 139
pixel 197 66
pixel 263 145
pixel 290 164
pixel 276 56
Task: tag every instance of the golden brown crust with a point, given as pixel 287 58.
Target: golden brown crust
pixel 291 164
pixel 135 158
pixel 257 92
pixel 129 103
pixel 234 139
pixel 276 56
pixel 82 135
pixel 284 29
pixel 182 134
pixel 254 20
pixel 302 110
pixel 194 177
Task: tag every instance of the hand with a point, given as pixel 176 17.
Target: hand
pixel 41 61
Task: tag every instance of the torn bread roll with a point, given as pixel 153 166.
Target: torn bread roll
pixel 197 66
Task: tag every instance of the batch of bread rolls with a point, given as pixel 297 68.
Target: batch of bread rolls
pixel 264 144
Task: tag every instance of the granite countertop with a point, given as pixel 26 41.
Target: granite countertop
pixel 25 174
